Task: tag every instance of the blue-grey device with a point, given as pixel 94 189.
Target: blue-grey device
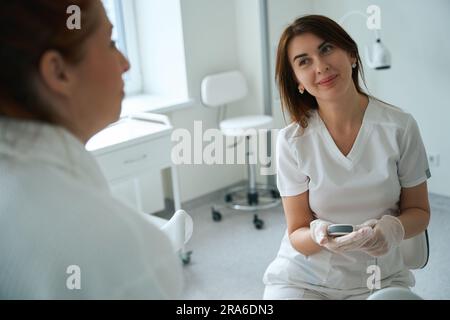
pixel 337 230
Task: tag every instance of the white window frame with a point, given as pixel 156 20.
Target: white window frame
pixel 124 11
pixel 141 94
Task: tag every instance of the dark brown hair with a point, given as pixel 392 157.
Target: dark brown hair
pixel 299 105
pixel 29 28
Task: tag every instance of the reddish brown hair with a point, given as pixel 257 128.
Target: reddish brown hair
pixel 299 105
pixel 29 28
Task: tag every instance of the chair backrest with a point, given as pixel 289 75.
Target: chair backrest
pixel 178 228
pixel 222 88
pixel 416 251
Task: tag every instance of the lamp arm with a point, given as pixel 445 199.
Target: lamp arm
pixel 348 14
pixel 369 61
pixel 380 58
pixel 377 34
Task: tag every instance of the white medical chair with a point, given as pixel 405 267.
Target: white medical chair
pixel 218 90
pixel 179 230
pixel 416 251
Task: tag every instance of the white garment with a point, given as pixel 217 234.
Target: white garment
pixel 388 154
pixel 56 211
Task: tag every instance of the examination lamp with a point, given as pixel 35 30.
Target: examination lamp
pixel 377 55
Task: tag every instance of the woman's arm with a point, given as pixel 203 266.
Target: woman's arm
pixel 414 209
pixel 298 217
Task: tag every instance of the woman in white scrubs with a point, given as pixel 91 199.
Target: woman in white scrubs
pixel 62 233
pixel 346 158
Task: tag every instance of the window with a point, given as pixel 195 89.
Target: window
pixel 151 29
pixel 125 36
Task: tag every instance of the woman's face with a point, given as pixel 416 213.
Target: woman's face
pixel 99 88
pixel 314 60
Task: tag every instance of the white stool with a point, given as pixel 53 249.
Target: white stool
pixel 217 91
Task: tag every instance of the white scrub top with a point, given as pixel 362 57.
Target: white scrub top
pixel 388 154
pixel 59 223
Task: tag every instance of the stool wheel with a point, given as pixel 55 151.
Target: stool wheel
pixel 216 215
pixel 275 194
pixel 186 257
pixel 258 222
pixel 228 198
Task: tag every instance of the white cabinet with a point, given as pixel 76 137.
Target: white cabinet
pixel 131 153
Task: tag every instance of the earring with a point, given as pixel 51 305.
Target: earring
pixel 301 90
pixel 354 65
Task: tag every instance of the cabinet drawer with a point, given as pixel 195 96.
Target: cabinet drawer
pixel 135 159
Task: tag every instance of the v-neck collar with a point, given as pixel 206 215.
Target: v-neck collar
pixel 358 145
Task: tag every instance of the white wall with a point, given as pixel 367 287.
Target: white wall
pixel 249 47
pixel 248 40
pixel 416 32
pixel 210 45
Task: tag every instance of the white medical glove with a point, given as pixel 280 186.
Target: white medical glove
pixel 388 233
pixel 349 242
pixel 318 230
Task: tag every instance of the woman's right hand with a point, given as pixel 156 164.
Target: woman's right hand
pixel 350 242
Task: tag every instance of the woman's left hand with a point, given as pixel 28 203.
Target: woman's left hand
pixel 388 233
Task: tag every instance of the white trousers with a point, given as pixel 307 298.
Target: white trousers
pixel 288 292
pixel 292 292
